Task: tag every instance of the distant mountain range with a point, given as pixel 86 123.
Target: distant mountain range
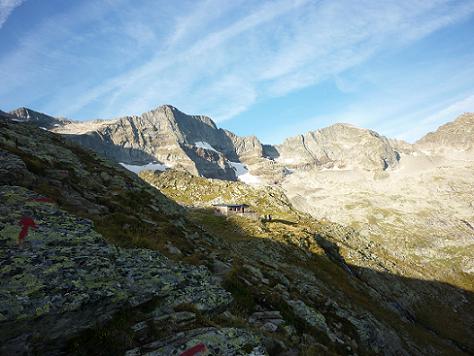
pixel 194 143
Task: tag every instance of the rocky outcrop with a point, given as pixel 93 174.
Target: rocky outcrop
pixel 64 278
pixel 401 146
pixel 13 169
pixel 210 341
pixel 245 147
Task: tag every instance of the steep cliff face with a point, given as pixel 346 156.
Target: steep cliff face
pixel 341 146
pixel 167 135
pixel 245 148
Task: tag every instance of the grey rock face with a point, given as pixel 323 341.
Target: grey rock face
pixel 166 135
pixel 189 142
pixel 247 147
pixel 339 145
pixel 194 143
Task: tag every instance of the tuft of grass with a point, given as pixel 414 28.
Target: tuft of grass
pixel 244 302
pixel 111 338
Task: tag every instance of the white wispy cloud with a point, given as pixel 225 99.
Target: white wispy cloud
pixel 272 50
pixel 6 8
pixel 432 121
pixel 182 72
pixel 213 57
pixel 405 103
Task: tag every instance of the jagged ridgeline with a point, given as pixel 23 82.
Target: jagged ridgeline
pixel 190 142
pixel 94 260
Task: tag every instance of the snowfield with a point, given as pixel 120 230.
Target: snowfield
pixel 152 166
pixel 243 173
pixel 205 145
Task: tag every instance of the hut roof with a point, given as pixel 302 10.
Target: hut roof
pixel 231 205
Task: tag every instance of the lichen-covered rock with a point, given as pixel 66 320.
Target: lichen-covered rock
pixel 63 277
pixel 13 169
pixel 311 317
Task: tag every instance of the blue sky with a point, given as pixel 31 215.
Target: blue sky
pixel 270 68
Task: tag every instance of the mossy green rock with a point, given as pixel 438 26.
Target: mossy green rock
pixel 63 277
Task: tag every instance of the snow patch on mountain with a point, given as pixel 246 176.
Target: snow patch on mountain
pixel 152 166
pixel 243 173
pixel 82 127
pixel 286 160
pixel 250 179
pixel 205 145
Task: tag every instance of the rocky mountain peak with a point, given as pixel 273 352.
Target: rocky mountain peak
pixel 39 119
pixel 457 135
pixel 165 134
pixel 339 145
pixel 176 115
pixel 25 112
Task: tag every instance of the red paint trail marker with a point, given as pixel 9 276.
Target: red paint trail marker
pixel 194 350
pixel 26 222
pixel 43 200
